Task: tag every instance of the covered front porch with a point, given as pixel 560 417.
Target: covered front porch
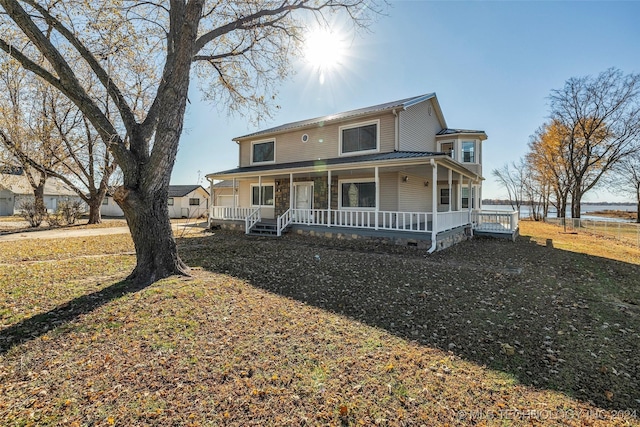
pixel 427 194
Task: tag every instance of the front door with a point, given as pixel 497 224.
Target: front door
pixel 303 201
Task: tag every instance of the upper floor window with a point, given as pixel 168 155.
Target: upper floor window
pixel 468 151
pixel 263 152
pixel 447 147
pixel 105 201
pixel 362 137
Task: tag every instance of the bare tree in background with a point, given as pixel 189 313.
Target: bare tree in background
pixel 239 49
pixel 602 117
pixel 24 128
pixel 511 177
pixel 627 178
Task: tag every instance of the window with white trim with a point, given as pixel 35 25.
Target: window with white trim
pixel 105 201
pixel 194 202
pixel 263 152
pixel 267 195
pixel 468 151
pixel 359 138
pixel 444 196
pixel 170 201
pixel 357 194
pixel 465 198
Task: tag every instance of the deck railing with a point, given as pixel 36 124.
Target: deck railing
pixel 495 221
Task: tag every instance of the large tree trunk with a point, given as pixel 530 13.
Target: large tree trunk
pixel 576 199
pixel 95 204
pixel 156 250
pixel 38 194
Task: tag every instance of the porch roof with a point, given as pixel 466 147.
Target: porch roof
pixel 320 165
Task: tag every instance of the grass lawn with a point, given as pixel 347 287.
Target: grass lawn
pixel 544 331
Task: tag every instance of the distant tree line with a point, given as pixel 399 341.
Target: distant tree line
pixel 592 138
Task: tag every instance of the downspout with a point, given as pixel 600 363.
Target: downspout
pixel 397 136
pixel 434 206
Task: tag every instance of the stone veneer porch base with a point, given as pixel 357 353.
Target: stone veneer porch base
pixel 417 240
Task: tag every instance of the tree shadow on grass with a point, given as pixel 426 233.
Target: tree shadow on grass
pixel 38 325
pixel 550 318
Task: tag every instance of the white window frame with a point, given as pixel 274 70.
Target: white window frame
pixel 453 148
pixel 191 199
pixel 170 201
pixel 475 151
pixel 264 184
pixel 358 125
pixel 105 201
pixel 353 180
pixel 262 141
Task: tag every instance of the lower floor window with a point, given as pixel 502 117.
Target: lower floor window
pixel 170 201
pixel 358 194
pixel 267 195
pixel 444 196
pixel 194 202
pixel 465 198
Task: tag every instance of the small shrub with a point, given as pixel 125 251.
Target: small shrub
pixel 70 211
pixel 32 212
pixel 54 220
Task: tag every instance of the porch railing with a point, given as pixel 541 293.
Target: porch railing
pixel 283 221
pixel 450 220
pixel 495 221
pixel 252 220
pixel 230 213
pixel 384 220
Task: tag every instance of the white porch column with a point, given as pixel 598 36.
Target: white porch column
pixel 450 182
pixel 434 201
pixel 377 180
pixel 329 198
pixel 211 199
pixel 259 191
pixel 291 191
pixel 233 192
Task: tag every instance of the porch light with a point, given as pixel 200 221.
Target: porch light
pixel 426 183
pixel 405 178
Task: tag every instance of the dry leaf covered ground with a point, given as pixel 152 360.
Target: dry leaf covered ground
pixel 544 331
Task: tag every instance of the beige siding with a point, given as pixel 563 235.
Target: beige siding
pixel 418 128
pixel 389 192
pixel 244 197
pixel 322 144
pixel 413 196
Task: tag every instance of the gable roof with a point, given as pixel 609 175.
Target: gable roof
pixel 183 190
pixel 400 104
pixel 19 184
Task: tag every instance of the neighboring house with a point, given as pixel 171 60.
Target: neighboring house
pixel 15 190
pixel 185 201
pixel 393 170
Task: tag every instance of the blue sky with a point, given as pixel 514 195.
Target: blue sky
pixel 491 63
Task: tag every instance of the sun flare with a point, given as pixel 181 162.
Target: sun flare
pixel 324 50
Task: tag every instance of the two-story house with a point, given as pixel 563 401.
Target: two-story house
pixel 391 170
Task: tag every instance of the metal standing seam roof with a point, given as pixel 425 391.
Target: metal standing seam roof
pixel 456 131
pixel 395 155
pixel 404 103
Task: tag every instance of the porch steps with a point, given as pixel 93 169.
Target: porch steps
pixel 265 229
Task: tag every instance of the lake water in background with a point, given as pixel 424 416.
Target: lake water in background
pixel 525 212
